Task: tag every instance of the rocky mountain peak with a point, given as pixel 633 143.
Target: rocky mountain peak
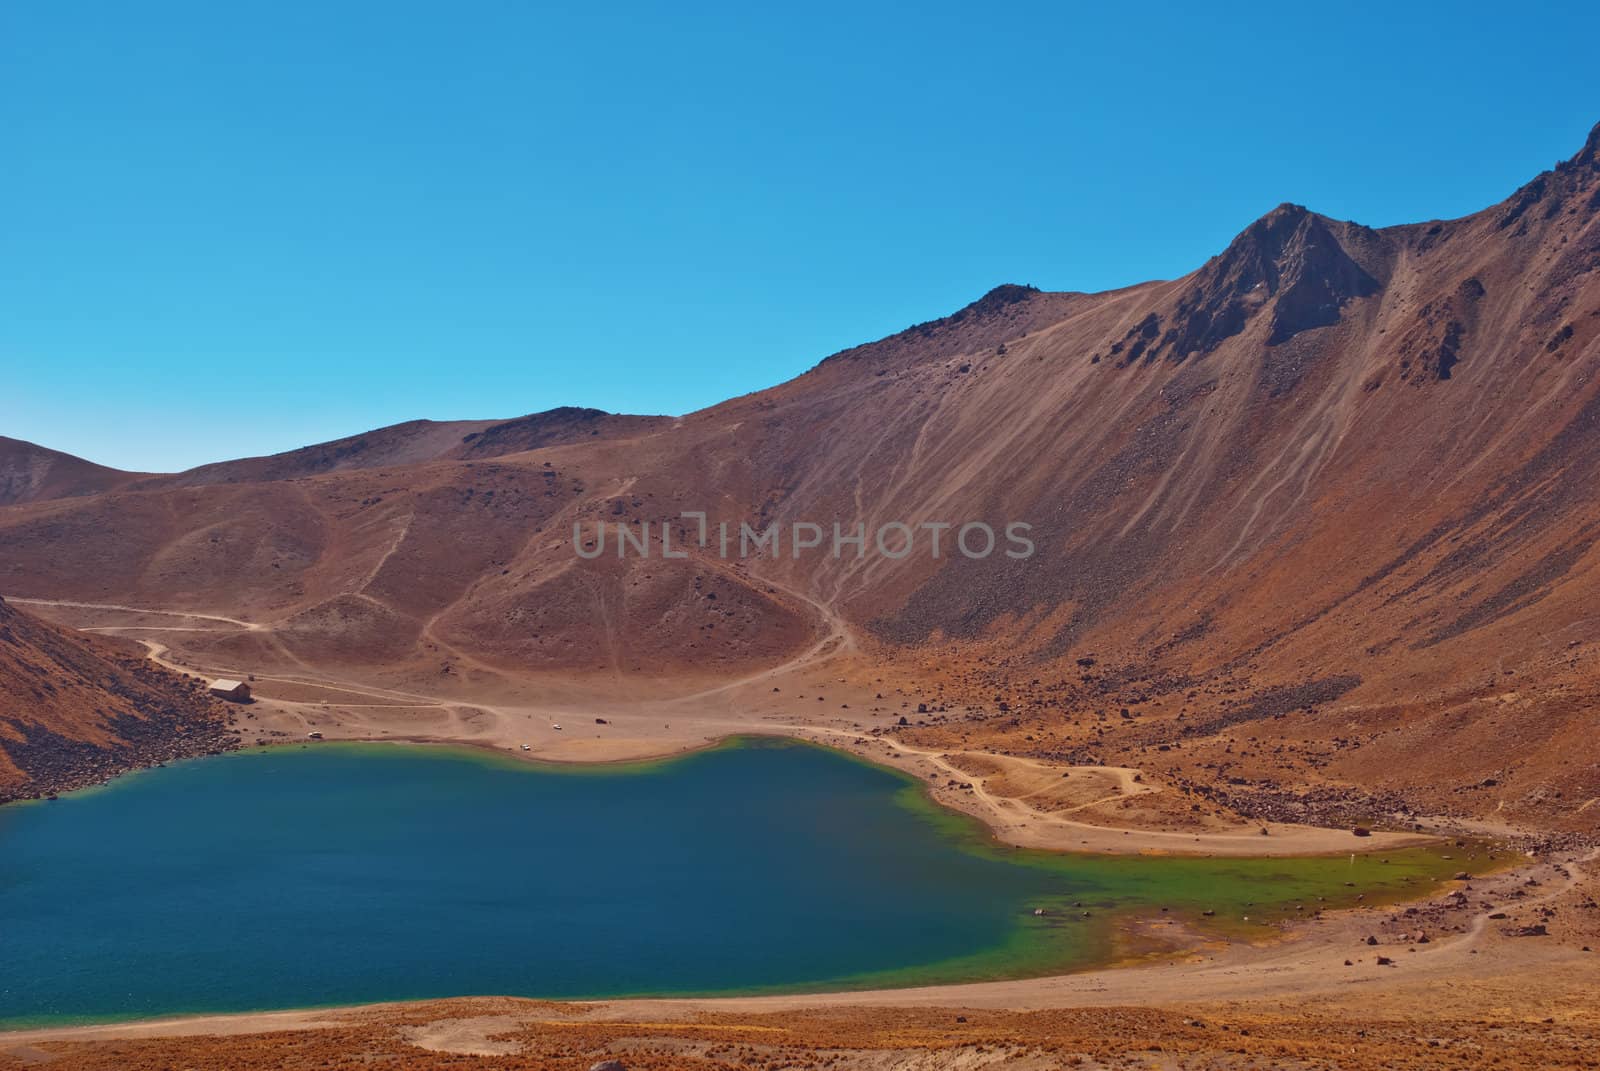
pixel 1589 155
pixel 1292 265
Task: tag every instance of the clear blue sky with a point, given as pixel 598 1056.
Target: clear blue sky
pixel 234 228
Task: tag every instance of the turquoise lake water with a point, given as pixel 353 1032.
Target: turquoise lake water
pixel 342 873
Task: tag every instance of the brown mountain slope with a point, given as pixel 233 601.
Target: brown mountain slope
pixel 1320 515
pixel 29 473
pixel 414 442
pixel 76 709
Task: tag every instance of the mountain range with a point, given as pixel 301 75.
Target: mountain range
pixel 1318 517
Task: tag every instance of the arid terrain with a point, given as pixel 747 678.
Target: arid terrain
pixel 1316 534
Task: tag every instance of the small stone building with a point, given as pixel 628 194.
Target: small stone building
pixel 233 691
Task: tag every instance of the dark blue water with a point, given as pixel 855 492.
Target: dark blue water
pixel 339 874
pixel 351 873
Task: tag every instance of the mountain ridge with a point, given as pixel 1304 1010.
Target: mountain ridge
pixel 408 442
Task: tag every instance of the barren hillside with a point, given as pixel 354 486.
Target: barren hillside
pixel 29 473
pixel 75 710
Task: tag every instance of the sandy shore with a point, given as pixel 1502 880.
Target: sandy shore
pixel 830 694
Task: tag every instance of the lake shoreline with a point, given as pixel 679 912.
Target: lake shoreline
pixel 1284 840
pixel 1247 841
pixel 834 695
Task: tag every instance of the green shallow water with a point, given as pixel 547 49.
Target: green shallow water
pixel 346 873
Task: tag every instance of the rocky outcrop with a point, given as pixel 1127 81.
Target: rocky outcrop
pixel 1006 313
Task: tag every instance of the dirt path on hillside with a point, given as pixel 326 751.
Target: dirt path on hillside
pixel 251 626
